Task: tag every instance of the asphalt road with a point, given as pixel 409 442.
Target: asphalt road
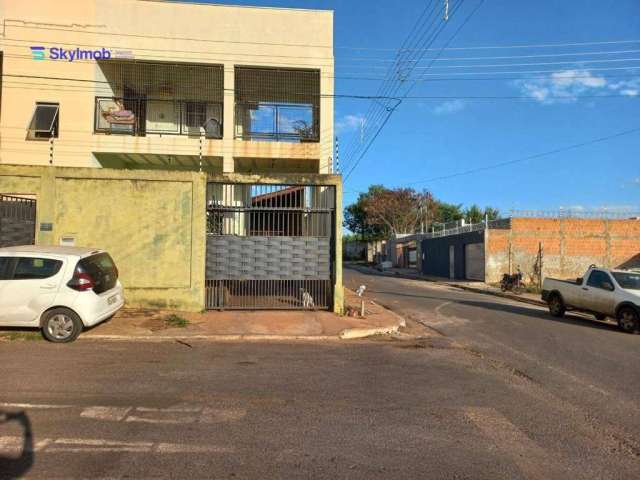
pixel 501 393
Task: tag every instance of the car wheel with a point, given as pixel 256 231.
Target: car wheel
pixel 628 320
pixel 556 306
pixel 61 325
pixel 600 316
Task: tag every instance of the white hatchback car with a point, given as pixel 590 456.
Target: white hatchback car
pixel 58 289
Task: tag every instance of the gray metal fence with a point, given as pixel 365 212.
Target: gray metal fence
pixel 270 246
pixel 17 221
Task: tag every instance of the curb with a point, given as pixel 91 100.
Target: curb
pixel 214 338
pixel 354 333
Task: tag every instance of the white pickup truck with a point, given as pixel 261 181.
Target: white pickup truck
pixel 602 292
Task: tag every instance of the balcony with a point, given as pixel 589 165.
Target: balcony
pixel 141 116
pixel 139 98
pixel 277 105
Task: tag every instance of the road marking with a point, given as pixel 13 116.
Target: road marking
pixel 13 444
pixel 168 421
pixel 179 448
pixel 35 406
pixel 151 415
pixel 105 413
pixel 531 459
pixel 171 409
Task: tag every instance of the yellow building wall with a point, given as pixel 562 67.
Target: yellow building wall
pixel 153 31
pixel 151 223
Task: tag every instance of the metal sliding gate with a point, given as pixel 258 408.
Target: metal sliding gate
pixel 17 221
pixel 270 246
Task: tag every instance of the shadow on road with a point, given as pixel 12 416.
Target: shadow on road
pixel 16 466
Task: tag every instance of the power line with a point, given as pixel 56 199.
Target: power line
pixel 496 47
pixel 447 43
pixel 530 157
pixel 39 26
pixel 396 76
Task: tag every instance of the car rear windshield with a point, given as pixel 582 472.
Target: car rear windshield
pixel 102 270
pixel 629 281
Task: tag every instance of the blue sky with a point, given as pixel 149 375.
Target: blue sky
pixel 427 138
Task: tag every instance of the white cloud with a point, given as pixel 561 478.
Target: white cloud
pixel 562 87
pixel 349 123
pixel 629 88
pixel 448 107
pixel 567 85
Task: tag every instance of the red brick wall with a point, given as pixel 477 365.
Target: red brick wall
pixel 569 246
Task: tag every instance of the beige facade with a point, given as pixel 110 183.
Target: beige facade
pixel 261 78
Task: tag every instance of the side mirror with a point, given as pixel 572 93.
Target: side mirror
pixel 607 286
pixel 579 280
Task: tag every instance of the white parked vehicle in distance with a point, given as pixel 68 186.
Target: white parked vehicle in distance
pixel 602 292
pixel 61 290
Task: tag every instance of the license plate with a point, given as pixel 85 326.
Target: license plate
pixel 112 299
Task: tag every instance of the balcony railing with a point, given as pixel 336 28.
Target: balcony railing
pixel 141 116
pixel 277 122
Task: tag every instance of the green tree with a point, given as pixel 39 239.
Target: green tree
pixel 474 214
pixel 448 212
pixel 492 213
pixel 356 221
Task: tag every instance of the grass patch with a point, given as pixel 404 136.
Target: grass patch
pixel 175 321
pixel 16 335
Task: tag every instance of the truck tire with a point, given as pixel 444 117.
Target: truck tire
pixel 556 305
pixel 628 320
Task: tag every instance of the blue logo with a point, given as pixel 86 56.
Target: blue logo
pixel 69 55
pixel 38 53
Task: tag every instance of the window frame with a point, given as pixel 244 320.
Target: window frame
pixel 40 135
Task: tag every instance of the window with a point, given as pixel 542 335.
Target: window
pixel 196 114
pixel 5 265
pixel 44 122
pixel 36 268
pixel 598 278
pixel 628 281
pixel 102 270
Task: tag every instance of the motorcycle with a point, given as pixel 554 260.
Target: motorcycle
pixel 512 282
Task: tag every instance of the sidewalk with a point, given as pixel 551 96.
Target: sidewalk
pixel 472 286
pixel 157 325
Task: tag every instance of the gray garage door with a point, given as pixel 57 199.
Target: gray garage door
pixel 474 261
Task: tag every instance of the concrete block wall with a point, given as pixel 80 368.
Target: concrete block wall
pixel 570 245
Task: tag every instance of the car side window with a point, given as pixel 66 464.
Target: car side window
pixel 598 278
pixel 5 265
pixel 29 268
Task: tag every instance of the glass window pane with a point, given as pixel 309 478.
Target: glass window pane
pixel 296 120
pixel 4 267
pixel 263 119
pixel 45 116
pixel 36 268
